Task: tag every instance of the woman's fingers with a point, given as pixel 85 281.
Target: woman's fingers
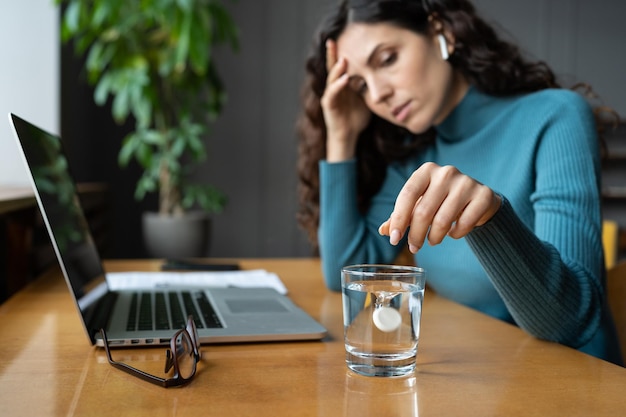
pixel 383 229
pixel 482 206
pixel 407 207
pixel 345 114
pixel 336 79
pixel 335 66
pixel 456 191
pixel 436 209
pixel 437 202
pixel 331 54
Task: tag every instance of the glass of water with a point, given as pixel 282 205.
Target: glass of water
pixel 382 308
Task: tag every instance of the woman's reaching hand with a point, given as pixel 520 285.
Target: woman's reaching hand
pixel 437 201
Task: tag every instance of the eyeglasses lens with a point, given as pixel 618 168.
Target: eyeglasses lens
pixel 185 355
pixel 193 332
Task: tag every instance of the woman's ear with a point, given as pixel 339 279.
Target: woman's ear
pixel 443 37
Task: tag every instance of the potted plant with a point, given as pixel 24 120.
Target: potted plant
pixel 152 60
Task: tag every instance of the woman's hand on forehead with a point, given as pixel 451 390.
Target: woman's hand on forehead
pixel 345 112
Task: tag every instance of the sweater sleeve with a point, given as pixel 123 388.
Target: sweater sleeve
pixel 345 235
pixel 550 275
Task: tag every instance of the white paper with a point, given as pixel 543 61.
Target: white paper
pixel 244 279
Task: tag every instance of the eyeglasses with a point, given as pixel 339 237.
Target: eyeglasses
pixel 182 358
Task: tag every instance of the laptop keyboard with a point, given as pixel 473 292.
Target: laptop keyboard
pixel 169 310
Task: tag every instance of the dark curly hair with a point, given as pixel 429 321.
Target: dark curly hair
pixel 491 64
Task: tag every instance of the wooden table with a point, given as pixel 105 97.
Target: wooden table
pixel 468 365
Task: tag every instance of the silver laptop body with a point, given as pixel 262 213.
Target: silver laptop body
pixel 150 317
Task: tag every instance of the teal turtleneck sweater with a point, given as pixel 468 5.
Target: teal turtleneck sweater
pixel 538 262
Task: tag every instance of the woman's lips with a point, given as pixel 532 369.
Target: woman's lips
pixel 401 112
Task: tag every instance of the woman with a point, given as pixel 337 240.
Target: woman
pixel 422 128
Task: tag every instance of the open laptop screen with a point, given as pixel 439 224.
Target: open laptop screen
pixel 60 208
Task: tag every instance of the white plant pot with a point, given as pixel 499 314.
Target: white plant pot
pixel 184 236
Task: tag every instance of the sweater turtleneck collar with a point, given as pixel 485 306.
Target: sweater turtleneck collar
pixel 468 117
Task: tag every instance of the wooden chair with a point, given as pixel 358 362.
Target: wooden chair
pixel 610 231
pixel 616 293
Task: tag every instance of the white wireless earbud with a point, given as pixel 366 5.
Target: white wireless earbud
pixel 444 47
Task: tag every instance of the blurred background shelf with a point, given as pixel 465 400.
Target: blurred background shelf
pixel 25 249
pixel 614 184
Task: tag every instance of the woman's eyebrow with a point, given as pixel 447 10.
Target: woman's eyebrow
pixel 370 58
pixel 372 54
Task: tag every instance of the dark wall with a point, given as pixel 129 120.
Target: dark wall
pixel 92 142
pixel 252 147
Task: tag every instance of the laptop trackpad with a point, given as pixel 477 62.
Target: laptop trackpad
pixel 251 305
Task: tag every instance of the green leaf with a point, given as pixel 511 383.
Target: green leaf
pixel 154 137
pixel 182 32
pixel 186 5
pixel 225 28
pixel 101 13
pixel 178 146
pixel 143 154
pixel 209 198
pixel 128 149
pixel 145 185
pixel 142 109
pixel 199 46
pixel 102 90
pixel 121 105
pixel 196 146
pixel 71 18
pixel 94 58
pixel 167 61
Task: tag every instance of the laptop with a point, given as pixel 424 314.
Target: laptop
pixel 151 316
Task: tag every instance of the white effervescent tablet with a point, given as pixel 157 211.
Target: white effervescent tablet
pixel 387 319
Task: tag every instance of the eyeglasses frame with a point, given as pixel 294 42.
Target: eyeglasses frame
pixel 189 332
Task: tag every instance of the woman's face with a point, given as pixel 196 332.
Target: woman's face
pixel 400 74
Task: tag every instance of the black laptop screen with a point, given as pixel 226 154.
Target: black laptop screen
pixel 61 211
